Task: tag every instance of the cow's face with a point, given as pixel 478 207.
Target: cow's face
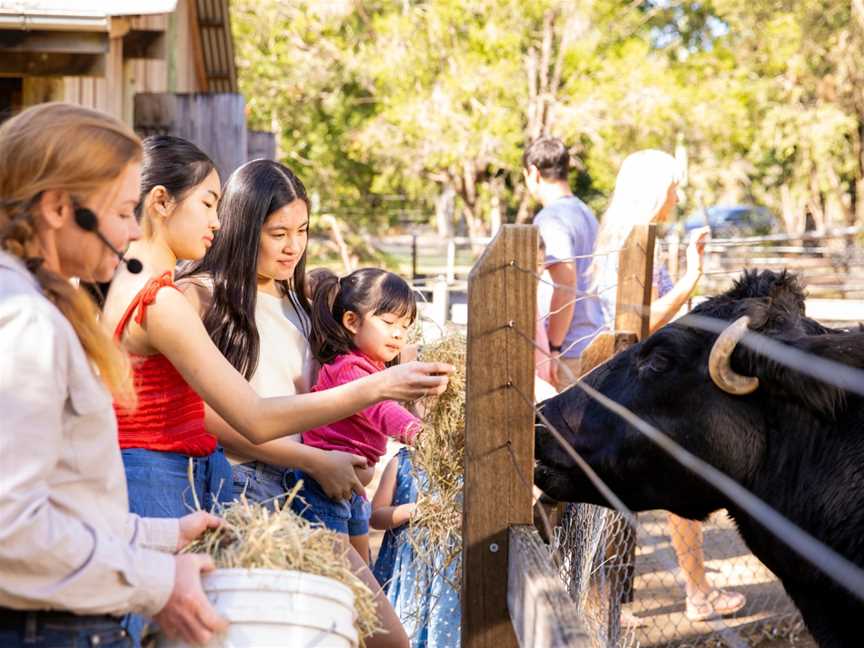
pixel 738 416
pixel 665 381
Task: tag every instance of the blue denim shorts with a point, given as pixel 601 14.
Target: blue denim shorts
pixel 50 630
pixel 350 517
pixel 262 483
pixel 158 484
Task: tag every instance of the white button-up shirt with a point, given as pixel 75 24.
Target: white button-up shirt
pixel 67 539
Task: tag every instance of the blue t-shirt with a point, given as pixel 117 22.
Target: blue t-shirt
pixel 569 229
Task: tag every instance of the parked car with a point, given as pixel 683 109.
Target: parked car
pixel 734 220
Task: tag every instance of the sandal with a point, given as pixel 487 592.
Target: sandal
pixel 715 604
pixel 629 620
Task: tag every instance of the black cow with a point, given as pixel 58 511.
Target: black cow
pixel 794 441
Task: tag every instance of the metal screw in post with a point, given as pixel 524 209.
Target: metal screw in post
pixel 493 547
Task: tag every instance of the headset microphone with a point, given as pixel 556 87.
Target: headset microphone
pixel 86 220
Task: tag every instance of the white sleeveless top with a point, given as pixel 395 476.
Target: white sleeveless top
pixel 285 362
pixel 286 365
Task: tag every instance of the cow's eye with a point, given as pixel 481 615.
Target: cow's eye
pixel 656 362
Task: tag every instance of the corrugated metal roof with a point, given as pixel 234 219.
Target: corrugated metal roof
pixel 217 45
pixel 75 14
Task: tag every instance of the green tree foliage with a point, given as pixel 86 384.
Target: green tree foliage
pixel 423 99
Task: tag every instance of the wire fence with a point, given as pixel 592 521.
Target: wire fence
pixel 653 579
pixel 640 581
pixel 833 261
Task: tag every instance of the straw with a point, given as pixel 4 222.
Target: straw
pixel 436 526
pixel 253 536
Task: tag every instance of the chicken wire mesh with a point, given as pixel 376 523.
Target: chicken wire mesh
pixel 631 591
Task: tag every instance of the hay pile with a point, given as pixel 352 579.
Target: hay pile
pixel 437 459
pixel 254 537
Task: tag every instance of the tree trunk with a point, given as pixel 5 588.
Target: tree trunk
pixel 858 195
pixel 524 213
pixel 444 206
pixel 495 208
pixel 475 227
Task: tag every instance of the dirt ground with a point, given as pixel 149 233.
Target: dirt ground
pixel 768 620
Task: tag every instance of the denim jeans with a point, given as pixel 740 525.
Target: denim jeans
pixel 262 483
pixel 52 630
pixel 158 484
pixel 350 517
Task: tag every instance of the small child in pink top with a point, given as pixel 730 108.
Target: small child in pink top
pixel 359 324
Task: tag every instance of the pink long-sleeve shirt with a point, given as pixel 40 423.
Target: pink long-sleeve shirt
pixel 366 432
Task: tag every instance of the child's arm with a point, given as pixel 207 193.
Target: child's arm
pixel 384 514
pixel 390 418
pixel 386 417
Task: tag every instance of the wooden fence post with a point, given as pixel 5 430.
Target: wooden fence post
pixel 499 428
pixel 632 323
pixel 635 281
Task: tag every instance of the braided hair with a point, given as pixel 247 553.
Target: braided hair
pixel 61 147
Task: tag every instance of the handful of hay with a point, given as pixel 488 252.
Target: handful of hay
pixel 254 537
pixel 437 459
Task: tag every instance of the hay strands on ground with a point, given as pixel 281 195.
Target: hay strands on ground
pixel 252 536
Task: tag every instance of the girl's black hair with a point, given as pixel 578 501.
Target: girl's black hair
pixel 251 194
pixel 175 163
pixel 364 291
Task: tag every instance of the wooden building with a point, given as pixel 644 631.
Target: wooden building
pixel 163 66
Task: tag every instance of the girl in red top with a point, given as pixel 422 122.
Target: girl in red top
pixel 359 324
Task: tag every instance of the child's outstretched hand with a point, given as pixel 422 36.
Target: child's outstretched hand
pixel 413 380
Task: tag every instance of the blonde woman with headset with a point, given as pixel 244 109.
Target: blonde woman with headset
pixel 73 558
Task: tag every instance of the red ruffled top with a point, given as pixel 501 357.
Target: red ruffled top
pixel 170 415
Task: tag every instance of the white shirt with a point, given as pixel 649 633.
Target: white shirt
pixel 286 365
pixel 285 362
pixel 67 539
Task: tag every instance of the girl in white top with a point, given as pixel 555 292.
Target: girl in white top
pixel 250 288
pixel 73 558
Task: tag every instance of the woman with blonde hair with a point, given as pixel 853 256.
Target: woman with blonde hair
pixel 73 558
pixel 646 191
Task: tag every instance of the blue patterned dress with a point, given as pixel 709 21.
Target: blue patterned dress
pixel 426 598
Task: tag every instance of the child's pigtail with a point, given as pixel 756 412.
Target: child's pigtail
pixel 329 338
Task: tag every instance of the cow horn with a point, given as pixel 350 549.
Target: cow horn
pixel 718 362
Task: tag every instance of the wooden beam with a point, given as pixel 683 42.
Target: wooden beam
pixel 53 65
pixel 144 44
pixel 635 281
pixel 499 430
pixel 195 42
pixel 53 42
pixel 541 609
pixel 119 26
pixel 632 323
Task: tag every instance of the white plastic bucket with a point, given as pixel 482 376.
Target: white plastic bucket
pixel 268 607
